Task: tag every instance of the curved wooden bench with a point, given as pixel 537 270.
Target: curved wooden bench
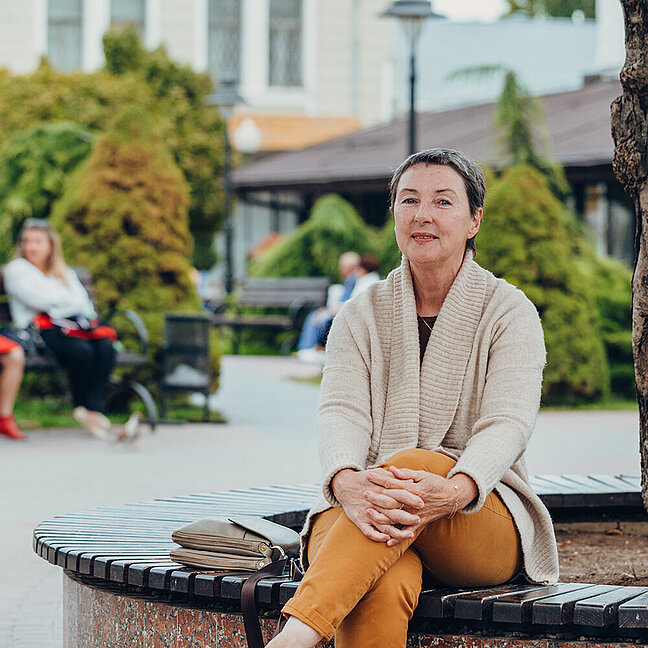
pixel 122 552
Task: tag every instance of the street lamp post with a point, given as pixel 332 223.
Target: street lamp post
pixel 411 14
pixel 225 98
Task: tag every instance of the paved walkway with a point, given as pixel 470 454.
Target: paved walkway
pixel 270 439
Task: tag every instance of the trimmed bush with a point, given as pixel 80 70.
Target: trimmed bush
pixel 313 249
pixel 170 94
pixel 33 169
pixel 524 239
pixel 124 218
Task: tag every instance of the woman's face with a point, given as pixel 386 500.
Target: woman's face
pixel 432 216
pixel 36 246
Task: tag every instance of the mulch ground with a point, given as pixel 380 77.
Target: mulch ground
pixel 605 553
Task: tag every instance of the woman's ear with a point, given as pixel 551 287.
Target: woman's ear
pixel 476 222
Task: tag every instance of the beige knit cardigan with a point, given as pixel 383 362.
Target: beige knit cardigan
pixel 475 396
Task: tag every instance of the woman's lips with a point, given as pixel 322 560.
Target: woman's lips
pixel 424 237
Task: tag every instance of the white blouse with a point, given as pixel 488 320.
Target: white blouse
pixel 31 292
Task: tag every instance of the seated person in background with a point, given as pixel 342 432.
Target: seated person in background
pixel 44 291
pixel 366 275
pixel 12 361
pixel 318 322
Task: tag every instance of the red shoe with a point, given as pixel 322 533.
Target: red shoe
pixel 9 428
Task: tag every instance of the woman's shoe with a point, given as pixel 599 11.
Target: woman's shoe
pixel 92 422
pixel 9 428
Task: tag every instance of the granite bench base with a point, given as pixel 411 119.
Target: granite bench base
pixel 102 615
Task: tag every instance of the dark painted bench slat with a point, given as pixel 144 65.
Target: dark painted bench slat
pixel 601 611
pixel 102 565
pixel 158 577
pixel 119 568
pixel 612 482
pixel 440 603
pixel 558 610
pixel 517 608
pixel 634 613
pixel 204 585
pixel 138 574
pixel 477 606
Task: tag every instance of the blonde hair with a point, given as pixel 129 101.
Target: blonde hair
pixel 55 264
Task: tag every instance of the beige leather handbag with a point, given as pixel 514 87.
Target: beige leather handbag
pixel 234 543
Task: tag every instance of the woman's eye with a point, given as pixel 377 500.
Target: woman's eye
pixel 408 200
pixel 444 201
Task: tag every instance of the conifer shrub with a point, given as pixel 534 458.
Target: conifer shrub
pixel 124 216
pixel 387 249
pixel 525 240
pixel 313 249
pixel 33 169
pixel 611 283
pixel 172 95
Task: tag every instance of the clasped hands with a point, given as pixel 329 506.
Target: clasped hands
pixel 390 505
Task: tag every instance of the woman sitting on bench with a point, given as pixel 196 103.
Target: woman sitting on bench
pixel 45 292
pixel 430 392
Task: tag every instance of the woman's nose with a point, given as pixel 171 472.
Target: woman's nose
pixel 423 213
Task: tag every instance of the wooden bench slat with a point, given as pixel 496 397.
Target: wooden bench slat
pixel 516 608
pixel 158 577
pixel 601 610
pixel 558 610
pixel 478 605
pixel 439 603
pixel 634 613
pixel 204 585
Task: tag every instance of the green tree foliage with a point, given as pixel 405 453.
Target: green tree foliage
pixel 124 216
pixel 525 240
pixel 171 95
pixel 387 249
pixel 313 249
pixel 123 50
pixel 519 119
pixel 556 8
pixel 33 169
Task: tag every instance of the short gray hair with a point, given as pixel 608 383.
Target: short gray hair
pixel 469 170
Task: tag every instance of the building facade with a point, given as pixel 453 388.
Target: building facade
pixel 306 60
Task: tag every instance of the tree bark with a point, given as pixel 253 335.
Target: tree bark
pixel 630 133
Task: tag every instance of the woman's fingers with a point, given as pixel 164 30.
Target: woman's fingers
pixel 408 473
pixel 372 533
pixel 395 533
pixel 393 516
pixel 393 498
pixel 385 478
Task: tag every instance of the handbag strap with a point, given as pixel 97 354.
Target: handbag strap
pixel 248 600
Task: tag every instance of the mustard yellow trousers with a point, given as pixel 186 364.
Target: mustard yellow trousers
pixel 365 592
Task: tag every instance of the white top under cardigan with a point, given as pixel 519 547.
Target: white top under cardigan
pixel 31 292
pixel 475 396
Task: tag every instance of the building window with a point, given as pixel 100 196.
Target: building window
pixel 224 39
pixel 285 43
pixel 65 33
pixel 128 12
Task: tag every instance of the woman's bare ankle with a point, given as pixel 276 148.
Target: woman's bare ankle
pixel 296 634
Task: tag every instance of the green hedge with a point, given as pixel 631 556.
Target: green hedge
pixel 525 239
pixel 124 216
pixel 313 249
pixel 171 95
pixel 33 169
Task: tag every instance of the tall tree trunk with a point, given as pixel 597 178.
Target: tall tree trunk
pixel 630 133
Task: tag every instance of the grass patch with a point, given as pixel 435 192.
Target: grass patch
pixel 609 404
pixel 52 412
